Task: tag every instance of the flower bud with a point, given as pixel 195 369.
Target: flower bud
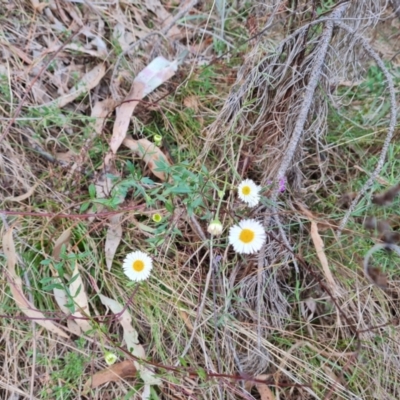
pixel 215 227
pixel 157 140
pixel 157 218
pixel 110 358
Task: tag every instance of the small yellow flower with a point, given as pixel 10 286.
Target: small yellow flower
pixel 157 218
pixel 248 192
pixel 215 227
pixel 110 358
pixel 247 237
pixel 137 266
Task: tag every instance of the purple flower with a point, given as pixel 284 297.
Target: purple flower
pixel 282 183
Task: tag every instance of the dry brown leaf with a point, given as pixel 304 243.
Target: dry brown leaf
pixel 18 52
pixel 113 238
pixel 74 327
pixel 123 115
pixel 124 38
pixel 115 373
pixel 24 196
pixel 263 389
pixel 78 293
pixel 60 295
pixel 103 185
pixel 38 6
pixel 63 239
pixel 100 111
pixel 191 102
pixel 265 392
pixel 150 154
pixel 151 77
pixel 15 284
pixel 319 247
pixel 186 320
pixel 132 342
pixel 40 94
pixel 66 157
pixel 164 17
pixel 89 81
pixel 130 334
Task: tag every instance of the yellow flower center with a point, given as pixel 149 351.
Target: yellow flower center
pixel 246 190
pixel 246 236
pixel 138 265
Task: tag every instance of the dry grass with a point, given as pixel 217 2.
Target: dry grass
pixel 301 101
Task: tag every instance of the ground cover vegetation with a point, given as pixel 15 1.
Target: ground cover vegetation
pixel 199 200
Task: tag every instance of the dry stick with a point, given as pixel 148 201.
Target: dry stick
pixel 296 136
pixel 392 123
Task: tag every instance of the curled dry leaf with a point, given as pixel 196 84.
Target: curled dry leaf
pixel 113 238
pixel 319 247
pixel 15 284
pixel 191 102
pixel 89 81
pixel 37 6
pixel 24 196
pixel 132 342
pixel 263 389
pixel 164 17
pixel 66 158
pixel 150 153
pixel 130 334
pixel 100 111
pixel 59 294
pixel 115 373
pixel 78 293
pixel 154 75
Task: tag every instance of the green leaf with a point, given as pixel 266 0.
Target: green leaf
pixel 169 206
pixel 49 288
pixel 201 372
pixel 84 207
pixel 92 191
pixel 197 202
pixel 180 189
pixel 147 181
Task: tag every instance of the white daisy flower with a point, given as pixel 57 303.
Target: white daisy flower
pixel 247 237
pixel 215 227
pixel 248 192
pixel 137 266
